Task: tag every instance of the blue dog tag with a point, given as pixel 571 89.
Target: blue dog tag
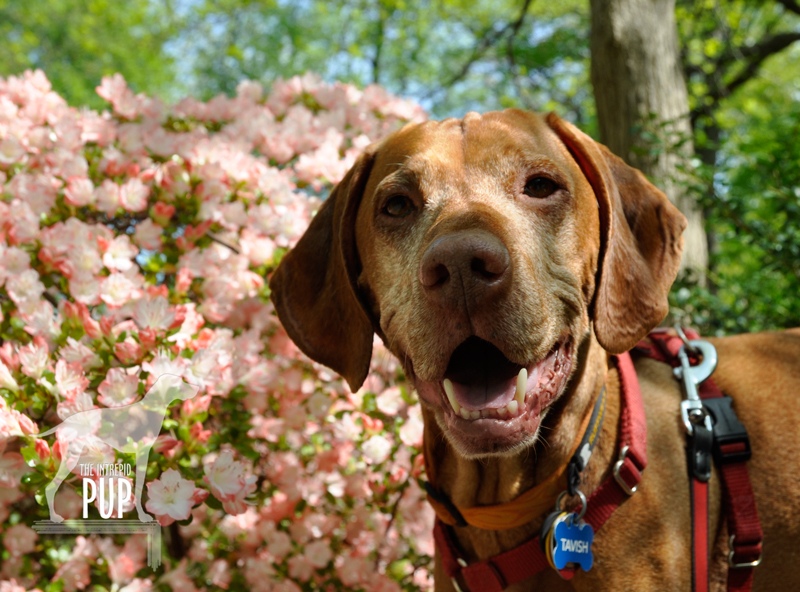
pixel 573 544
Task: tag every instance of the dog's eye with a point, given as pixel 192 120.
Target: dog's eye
pixel 398 206
pixel 540 187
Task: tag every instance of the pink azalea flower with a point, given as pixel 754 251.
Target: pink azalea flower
pixel 178 580
pixel 75 573
pixel 376 449
pixel 70 379
pixel 219 574
pixel 300 568
pixel 128 351
pixel 118 253
pixel 195 405
pixel 137 584
pixel 78 352
pixel 107 197
pixel 164 443
pixel 42 449
pixel 115 90
pixel 116 289
pixel 12 468
pixel 162 212
pixel 34 359
pixel 13 423
pixel 162 364
pixel 154 313
pixel 79 192
pixel 11 151
pixel 279 544
pixel 13 261
pixel 390 401
pixel 119 388
pixel 172 497
pixel 148 235
pixel 198 434
pixel 80 402
pixel 43 320
pixel 37 190
pixel 318 553
pixel 7 379
pixel 412 429
pixel 25 289
pixel 228 482
pixel 12 586
pixel 20 540
pixel 85 289
pixel 133 195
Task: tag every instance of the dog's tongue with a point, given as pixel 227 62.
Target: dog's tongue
pixel 485 394
pixel 482 377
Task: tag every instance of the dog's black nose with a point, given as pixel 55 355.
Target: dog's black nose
pixel 464 268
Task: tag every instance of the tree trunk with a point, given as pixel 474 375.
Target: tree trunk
pixel 642 101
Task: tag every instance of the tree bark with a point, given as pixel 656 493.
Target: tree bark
pixel 642 101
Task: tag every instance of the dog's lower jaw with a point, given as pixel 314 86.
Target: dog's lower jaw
pixel 472 480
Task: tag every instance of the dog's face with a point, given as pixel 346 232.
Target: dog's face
pixel 481 250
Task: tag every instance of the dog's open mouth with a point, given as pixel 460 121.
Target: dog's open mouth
pixel 490 403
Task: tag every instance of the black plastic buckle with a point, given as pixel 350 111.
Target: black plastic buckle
pixel 699 451
pixel 727 430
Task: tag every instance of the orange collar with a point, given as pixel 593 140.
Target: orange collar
pixel 528 506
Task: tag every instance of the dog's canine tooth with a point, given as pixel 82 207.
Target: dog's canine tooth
pixel 464 413
pixel 513 407
pixel 451 396
pixel 522 386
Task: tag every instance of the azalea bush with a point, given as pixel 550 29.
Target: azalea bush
pixel 137 242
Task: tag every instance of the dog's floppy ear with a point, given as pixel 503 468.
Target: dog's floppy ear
pixel 314 287
pixel 641 242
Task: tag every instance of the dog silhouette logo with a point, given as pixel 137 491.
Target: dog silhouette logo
pixel 89 437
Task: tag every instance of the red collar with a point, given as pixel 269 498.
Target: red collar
pixel 497 573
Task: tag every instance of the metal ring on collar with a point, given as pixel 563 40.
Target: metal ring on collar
pixel 685 339
pixel 579 493
pixel 755 563
pixel 620 481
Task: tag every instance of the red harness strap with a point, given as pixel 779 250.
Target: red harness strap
pixel 497 573
pixel 738 498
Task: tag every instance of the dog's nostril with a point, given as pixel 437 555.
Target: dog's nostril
pixel 439 275
pixel 479 268
pixel 434 274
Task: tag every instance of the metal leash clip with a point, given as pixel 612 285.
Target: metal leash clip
pixel 692 410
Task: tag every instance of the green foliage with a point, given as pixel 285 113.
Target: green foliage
pixel 77 42
pixel 451 55
pixel 754 211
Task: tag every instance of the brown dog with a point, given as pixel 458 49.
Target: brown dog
pixel 478 247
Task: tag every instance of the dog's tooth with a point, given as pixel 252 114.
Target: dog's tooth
pixel 451 396
pixel 474 414
pixel 501 411
pixel 513 407
pixel 464 413
pixel 522 386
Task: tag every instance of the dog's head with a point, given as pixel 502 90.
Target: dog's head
pixel 482 251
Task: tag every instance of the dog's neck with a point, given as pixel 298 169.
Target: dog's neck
pixel 496 480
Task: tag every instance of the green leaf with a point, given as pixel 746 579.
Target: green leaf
pixel 213 503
